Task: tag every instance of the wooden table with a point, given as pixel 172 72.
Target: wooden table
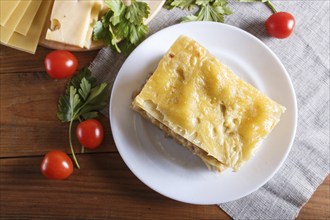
pixel 104 187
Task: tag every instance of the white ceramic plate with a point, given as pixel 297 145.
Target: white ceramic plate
pixel 169 168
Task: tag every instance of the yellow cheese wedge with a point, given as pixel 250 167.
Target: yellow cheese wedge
pixel 29 42
pixel 17 15
pixel 24 25
pixel 70 22
pixel 7 8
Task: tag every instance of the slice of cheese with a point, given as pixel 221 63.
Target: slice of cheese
pixel 70 22
pixel 5 34
pixel 98 6
pixel 25 23
pixel 7 8
pixel 17 15
pixel 29 42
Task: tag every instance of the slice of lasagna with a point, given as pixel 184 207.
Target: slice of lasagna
pixel 204 106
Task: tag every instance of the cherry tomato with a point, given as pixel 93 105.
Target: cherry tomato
pixel 280 24
pixel 56 165
pixel 90 133
pixel 61 64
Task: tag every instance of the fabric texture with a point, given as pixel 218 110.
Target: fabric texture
pixel 305 55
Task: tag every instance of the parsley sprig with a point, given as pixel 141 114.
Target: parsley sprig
pixel 122 23
pixel 83 99
pixel 208 10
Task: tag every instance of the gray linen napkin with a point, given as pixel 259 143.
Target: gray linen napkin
pixel 306 57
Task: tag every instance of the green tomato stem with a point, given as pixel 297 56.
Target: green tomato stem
pixel 82 146
pixel 70 141
pixel 271 6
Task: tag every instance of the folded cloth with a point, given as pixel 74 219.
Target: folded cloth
pixel 305 55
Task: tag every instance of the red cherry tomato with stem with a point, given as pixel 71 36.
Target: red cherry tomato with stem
pixel 279 24
pixel 90 133
pixel 56 165
pixel 61 64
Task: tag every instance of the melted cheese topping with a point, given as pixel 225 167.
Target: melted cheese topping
pixel 200 99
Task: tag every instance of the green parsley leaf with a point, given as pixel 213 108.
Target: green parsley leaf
pixel 203 2
pixel 97 99
pixel 133 33
pixel 64 112
pixel 85 88
pixel 252 0
pixel 206 13
pixel 168 4
pixel 208 10
pixel 101 32
pixel 122 24
pixel 117 9
pixel 75 81
pixel 183 4
pixel 68 105
pixel 136 12
pixel 90 115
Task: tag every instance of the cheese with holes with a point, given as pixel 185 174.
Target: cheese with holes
pixel 71 21
pixel 98 6
pixel 206 107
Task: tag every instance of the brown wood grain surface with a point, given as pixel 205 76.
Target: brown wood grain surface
pixel 104 188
